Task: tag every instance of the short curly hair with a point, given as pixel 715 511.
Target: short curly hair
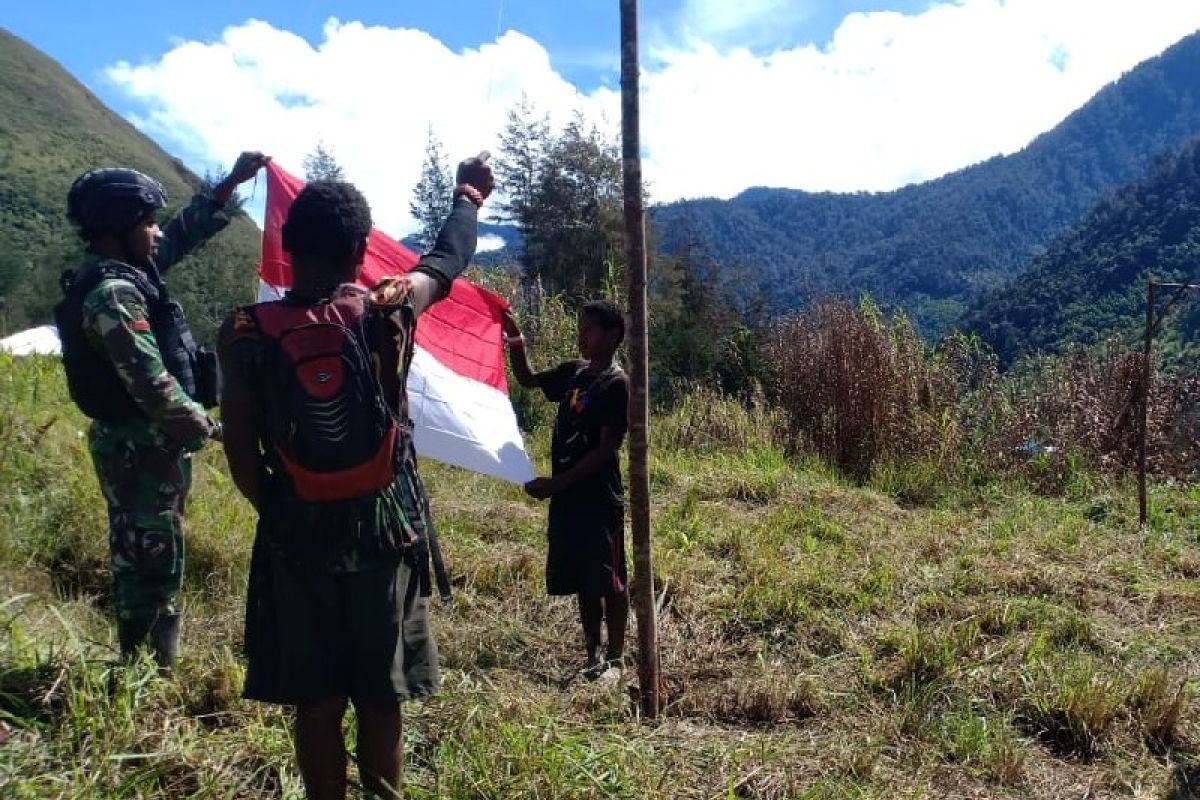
pixel 608 314
pixel 328 220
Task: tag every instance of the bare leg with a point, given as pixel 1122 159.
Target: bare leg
pixel 320 749
pixel 616 617
pixel 381 748
pixel 591 614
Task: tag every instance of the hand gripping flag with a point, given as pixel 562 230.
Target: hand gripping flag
pixel 457 392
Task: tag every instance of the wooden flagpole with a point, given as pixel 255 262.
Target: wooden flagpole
pixel 639 406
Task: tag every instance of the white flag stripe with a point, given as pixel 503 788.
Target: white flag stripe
pixel 464 422
pixel 267 292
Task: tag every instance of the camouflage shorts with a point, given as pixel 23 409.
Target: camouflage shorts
pixel 145 488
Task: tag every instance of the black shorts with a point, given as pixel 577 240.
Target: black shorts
pixel 313 635
pixel 586 553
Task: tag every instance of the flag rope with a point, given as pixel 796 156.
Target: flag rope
pixel 495 41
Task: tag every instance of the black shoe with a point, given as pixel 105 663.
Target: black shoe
pixel 131 633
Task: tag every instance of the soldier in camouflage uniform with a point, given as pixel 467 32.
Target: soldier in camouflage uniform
pixel 133 367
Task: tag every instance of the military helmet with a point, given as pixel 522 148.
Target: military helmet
pixel 112 199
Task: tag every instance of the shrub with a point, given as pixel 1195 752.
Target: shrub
pixel 865 393
pixel 1071 705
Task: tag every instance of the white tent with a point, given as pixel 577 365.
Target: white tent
pixel 42 340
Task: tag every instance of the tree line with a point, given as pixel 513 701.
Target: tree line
pixel 561 189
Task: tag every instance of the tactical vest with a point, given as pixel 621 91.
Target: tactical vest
pixel 91 377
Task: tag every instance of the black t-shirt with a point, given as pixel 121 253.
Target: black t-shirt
pixel 586 403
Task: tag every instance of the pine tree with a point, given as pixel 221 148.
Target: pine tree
pixel 236 203
pixel 563 191
pixel 431 197
pixel 523 146
pixel 320 165
pixel 574 227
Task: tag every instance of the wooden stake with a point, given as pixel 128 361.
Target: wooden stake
pixel 639 405
pixel 1143 406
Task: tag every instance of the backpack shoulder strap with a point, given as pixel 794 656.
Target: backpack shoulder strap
pixel 274 317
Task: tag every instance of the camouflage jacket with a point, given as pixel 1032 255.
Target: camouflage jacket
pixel 116 324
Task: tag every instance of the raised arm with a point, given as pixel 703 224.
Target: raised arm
pixel 455 245
pixel 206 215
pixel 518 357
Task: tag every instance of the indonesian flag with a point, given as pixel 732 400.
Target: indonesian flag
pixel 457 392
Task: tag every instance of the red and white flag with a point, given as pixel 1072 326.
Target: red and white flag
pixel 457 391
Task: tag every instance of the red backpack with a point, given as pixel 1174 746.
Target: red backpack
pixel 326 415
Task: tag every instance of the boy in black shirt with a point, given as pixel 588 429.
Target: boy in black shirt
pixel 586 555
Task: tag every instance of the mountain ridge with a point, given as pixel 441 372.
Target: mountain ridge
pixel 931 247
pixel 1090 283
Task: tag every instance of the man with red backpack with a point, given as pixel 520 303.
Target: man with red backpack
pixel 318 438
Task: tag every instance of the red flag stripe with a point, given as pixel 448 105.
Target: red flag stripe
pixel 462 331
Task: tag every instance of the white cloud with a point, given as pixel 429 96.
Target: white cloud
pixel 489 242
pixel 368 93
pixel 890 100
pixel 748 19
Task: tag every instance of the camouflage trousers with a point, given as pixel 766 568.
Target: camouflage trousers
pixel 145 488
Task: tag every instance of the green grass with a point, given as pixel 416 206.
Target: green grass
pixel 819 639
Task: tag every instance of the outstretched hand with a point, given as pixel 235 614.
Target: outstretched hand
pixel 246 167
pixel 476 172
pixel 540 488
pixel 508 324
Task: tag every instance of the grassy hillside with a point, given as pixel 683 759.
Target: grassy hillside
pixel 819 639
pixel 931 247
pixel 52 129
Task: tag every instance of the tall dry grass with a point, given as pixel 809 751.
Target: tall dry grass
pixel 859 389
pixel 867 394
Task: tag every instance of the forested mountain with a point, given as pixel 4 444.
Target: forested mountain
pixel 1090 284
pixel 932 247
pixel 505 255
pixel 51 130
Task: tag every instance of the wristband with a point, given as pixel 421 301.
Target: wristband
pixel 470 192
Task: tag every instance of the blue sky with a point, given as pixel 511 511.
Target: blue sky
pixel 581 35
pixel 840 95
